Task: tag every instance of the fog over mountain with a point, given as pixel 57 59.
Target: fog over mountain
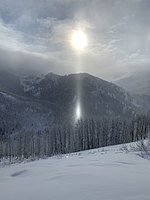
pixel 36 102
pixel 42 100
pixel 138 83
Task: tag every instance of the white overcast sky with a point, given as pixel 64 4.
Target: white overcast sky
pixel 36 33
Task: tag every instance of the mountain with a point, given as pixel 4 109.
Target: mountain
pixel 97 97
pixel 139 83
pixel 10 82
pixel 54 98
pixel 19 113
pixel 34 85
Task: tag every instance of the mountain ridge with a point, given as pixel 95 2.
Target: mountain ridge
pixel 60 95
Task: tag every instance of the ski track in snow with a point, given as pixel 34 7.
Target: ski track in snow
pixel 100 174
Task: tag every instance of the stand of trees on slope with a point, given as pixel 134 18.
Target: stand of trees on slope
pixel 84 135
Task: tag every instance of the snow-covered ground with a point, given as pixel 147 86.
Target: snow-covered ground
pixel 99 174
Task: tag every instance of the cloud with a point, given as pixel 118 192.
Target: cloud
pixel 36 33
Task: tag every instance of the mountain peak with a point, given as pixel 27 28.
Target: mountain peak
pixel 97 97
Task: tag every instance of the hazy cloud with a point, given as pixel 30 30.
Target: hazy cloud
pixel 36 34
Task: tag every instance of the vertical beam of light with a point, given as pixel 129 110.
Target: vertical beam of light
pixel 78 108
pixel 78 111
pixel 79 42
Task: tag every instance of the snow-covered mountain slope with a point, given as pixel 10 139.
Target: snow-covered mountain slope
pixel 98 98
pixel 138 83
pixel 19 113
pixel 106 173
pixel 35 84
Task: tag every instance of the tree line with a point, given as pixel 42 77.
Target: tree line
pixel 84 135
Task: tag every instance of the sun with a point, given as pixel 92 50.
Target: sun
pixel 79 40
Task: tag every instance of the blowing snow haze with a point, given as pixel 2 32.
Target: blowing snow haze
pixel 35 36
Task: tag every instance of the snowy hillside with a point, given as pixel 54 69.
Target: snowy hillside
pixel 19 113
pixel 98 98
pixel 100 174
pixel 35 84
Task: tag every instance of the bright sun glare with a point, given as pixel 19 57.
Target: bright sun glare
pixel 78 112
pixel 79 40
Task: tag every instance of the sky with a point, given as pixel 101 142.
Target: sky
pixel 36 34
